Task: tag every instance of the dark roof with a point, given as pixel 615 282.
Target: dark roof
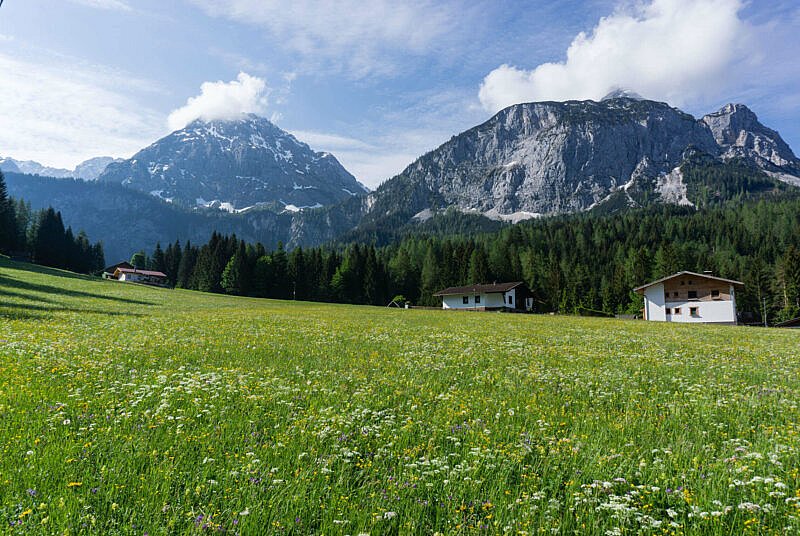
pixel 694 274
pixel 143 272
pixel 123 264
pixel 479 289
pixel 793 323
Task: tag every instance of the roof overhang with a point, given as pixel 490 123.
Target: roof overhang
pixel 640 290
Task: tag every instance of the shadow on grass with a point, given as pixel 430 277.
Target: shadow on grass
pixel 30 297
pixel 16 284
pixel 26 310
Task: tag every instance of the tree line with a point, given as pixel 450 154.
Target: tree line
pixel 572 264
pixel 41 237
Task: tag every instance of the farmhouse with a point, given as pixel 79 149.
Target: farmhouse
pixel 690 297
pixel 494 297
pixel 147 277
pixel 108 273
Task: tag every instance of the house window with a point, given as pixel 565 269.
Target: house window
pixel 692 294
pixel 694 311
pixel 465 300
pixel 715 294
pixel 676 311
pixel 675 294
pixel 690 281
pixel 510 299
pixel 477 299
pixel 668 311
pixel 683 283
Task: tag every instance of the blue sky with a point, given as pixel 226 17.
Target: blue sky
pixel 376 82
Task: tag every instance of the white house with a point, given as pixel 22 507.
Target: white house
pixel 690 297
pixel 494 297
pixel 147 277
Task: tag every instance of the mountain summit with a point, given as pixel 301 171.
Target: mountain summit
pixel 236 164
pixel 546 158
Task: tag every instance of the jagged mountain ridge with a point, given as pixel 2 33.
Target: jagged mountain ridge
pixel 550 158
pixel 236 164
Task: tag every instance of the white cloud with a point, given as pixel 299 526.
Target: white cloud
pixel 672 50
pixel 223 100
pixel 60 111
pixel 118 5
pixel 363 37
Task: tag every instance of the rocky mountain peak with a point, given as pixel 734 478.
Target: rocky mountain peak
pixel 738 132
pixel 236 164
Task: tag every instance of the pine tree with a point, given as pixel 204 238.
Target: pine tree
pixel 232 275
pixel 139 260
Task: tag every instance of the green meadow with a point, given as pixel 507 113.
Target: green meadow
pixel 132 410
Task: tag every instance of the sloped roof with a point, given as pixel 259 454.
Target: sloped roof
pixel 479 289
pixel 143 272
pixel 793 323
pixel 123 264
pixel 693 274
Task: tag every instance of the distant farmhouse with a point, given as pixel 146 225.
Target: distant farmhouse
pixel 108 273
pixel 690 297
pixel 494 297
pixel 125 271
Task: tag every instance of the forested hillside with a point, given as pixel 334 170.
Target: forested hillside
pixel 572 264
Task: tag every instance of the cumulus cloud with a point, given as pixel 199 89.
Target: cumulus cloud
pixel 223 100
pixel 672 50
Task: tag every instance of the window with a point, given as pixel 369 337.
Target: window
pixel 465 300
pixel 694 311
pixel 510 299
pixel 675 294
pixel 676 311
pixel 477 299
pixel 692 294
pixel 690 281
pixel 683 282
pixel 668 311
pixel 715 294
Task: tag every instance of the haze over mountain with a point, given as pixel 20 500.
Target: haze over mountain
pixel 236 164
pixel 88 170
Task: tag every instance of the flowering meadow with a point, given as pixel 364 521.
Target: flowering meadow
pixel 131 410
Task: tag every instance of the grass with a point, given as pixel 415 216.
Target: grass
pixel 131 410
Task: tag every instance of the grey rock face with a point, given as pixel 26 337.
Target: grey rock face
pixel 92 168
pixel 240 164
pixel 562 157
pixel 740 135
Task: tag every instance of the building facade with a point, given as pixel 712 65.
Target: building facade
pixel 689 297
pixel 494 297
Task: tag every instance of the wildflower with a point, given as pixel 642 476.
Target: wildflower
pixel 75 484
pixel 389 515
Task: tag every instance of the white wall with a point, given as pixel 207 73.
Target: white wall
pixel 494 300
pixel 707 311
pixel 654 303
